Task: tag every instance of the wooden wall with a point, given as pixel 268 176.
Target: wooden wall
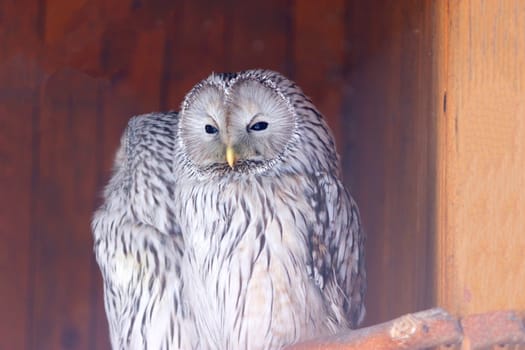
pixel 73 72
pixel 480 238
pixel 388 116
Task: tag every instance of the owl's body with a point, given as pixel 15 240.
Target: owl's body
pixel 226 226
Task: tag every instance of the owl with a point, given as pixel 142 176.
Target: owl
pixel 226 225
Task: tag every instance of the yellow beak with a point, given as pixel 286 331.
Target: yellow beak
pixel 230 156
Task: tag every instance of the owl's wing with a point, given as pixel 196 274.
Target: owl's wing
pixel 337 245
pixel 138 245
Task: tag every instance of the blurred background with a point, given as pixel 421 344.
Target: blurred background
pixel 72 72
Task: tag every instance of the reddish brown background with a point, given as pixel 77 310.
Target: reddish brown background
pixel 73 71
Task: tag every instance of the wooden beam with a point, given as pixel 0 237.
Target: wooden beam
pixel 20 76
pixel 18 112
pixel 64 189
pixel 481 155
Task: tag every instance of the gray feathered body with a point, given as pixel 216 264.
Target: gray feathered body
pixel 199 254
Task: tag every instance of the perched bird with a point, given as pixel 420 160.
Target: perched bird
pixel 226 225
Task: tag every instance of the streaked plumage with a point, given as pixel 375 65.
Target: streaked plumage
pixel 198 254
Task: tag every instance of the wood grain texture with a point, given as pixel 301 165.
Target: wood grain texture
pixel 389 147
pixel 259 36
pixel 65 186
pixel 18 96
pixel 319 53
pixel 194 47
pixel 481 156
pixel 19 109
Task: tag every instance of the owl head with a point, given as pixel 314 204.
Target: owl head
pixel 235 122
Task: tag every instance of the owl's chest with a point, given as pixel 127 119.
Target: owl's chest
pixel 245 220
pixel 248 256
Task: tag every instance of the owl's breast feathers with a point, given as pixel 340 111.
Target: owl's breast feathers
pixel 261 248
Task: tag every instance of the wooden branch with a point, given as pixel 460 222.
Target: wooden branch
pixel 496 328
pixel 413 331
pixel 426 329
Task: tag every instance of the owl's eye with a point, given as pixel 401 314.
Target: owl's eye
pixel 210 129
pixel 259 126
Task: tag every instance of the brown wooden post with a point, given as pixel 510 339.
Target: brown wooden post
pixel 480 71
